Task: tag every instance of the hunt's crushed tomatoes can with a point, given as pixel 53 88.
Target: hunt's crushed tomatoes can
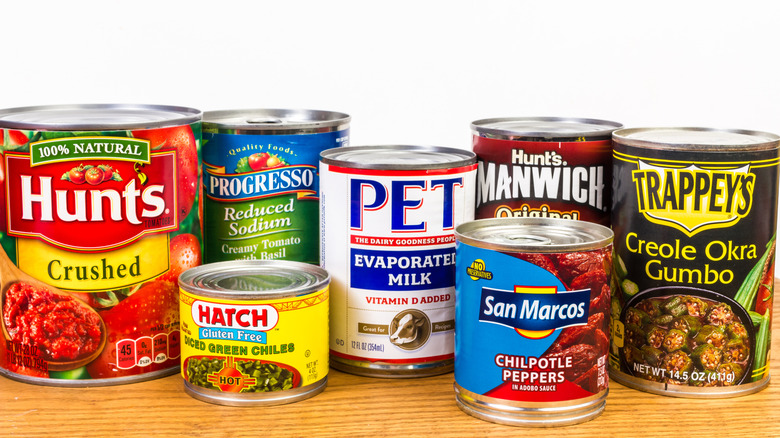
pixel 694 214
pixel 532 315
pixel 261 184
pixel 538 167
pixel 99 218
pixel 255 332
pixel 388 217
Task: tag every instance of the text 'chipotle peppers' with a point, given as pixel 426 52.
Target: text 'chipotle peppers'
pixel 100 205
pixel 532 319
pixel 694 215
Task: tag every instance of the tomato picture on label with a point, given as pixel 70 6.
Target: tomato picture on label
pixel 182 140
pixel 184 254
pixel 148 311
pixel 94 176
pixel 258 161
pixel 77 175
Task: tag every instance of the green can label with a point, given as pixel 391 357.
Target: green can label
pixel 261 195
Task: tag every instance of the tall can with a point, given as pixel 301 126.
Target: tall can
pixel 260 182
pixel 538 167
pixel 532 316
pixel 694 214
pixel 100 218
pixel 388 215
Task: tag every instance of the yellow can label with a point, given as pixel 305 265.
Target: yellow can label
pixel 254 346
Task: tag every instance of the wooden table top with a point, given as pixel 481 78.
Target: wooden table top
pixel 353 406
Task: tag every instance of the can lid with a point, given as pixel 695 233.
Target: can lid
pixel 550 128
pixel 692 138
pixel 96 117
pixel 538 235
pixel 253 279
pixel 274 119
pixel 398 157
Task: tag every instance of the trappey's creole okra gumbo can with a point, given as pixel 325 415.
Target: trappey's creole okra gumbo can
pixel 100 217
pixel 255 332
pixel 694 215
pixel 261 182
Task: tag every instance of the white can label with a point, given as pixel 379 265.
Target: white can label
pixel 392 259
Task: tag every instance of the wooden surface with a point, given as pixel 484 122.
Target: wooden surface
pixel 353 406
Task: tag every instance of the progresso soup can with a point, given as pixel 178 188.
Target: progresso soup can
pixel 255 332
pixel 532 316
pixel 694 214
pixel 260 182
pixel 388 215
pixel 538 167
pixel 99 219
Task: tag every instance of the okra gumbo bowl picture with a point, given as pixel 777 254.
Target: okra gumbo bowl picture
pixel 687 336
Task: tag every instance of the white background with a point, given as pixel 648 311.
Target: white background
pixel 409 72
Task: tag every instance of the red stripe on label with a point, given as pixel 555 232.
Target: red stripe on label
pixel 445 171
pixel 406 361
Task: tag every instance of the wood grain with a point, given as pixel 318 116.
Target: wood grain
pixel 353 406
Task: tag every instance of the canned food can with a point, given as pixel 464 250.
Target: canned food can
pixel 388 215
pixel 261 184
pixel 100 218
pixel 694 214
pixel 537 167
pixel 255 332
pixel 532 316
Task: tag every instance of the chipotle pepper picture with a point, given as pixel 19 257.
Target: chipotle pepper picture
pixel 46 329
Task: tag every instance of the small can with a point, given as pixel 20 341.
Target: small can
pixel 255 332
pixel 695 217
pixel 388 216
pixel 99 218
pixel 261 184
pixel 532 316
pixel 539 167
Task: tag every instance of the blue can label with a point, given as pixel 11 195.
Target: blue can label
pixel 531 327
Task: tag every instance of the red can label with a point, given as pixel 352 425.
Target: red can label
pixel 539 179
pixel 99 226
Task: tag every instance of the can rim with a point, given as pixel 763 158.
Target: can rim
pixel 479 127
pixel 272 119
pixel 180 115
pixel 622 136
pixel 459 157
pixel 586 235
pixel 204 280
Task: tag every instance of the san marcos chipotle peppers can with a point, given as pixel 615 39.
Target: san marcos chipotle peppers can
pixel 532 316
pixel 694 214
pixel 261 183
pixel 100 217
pixel 388 216
pixel 539 167
pixel 255 332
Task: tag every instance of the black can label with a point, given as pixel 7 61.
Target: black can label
pixel 694 257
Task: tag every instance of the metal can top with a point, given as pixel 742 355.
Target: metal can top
pixel 697 139
pixel 393 157
pixel 534 235
pixel 96 117
pixel 253 279
pixel 544 128
pixel 275 121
